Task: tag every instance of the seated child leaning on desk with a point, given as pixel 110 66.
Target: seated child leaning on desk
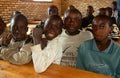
pixel 16 45
pixel 101 54
pixel 49 50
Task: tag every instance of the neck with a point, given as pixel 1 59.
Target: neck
pixel 73 33
pixel 102 45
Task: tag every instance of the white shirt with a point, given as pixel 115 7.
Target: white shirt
pixel 42 59
pixel 70 46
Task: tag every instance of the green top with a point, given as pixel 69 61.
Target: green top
pixel 106 62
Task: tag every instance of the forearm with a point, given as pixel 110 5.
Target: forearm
pixel 42 58
pixel 17 57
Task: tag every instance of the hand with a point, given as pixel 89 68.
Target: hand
pixel 44 43
pixel 37 35
pixel 6 39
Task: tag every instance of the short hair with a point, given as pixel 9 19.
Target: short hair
pixel 74 11
pixel 90 6
pixel 71 7
pixel 104 18
pixel 20 17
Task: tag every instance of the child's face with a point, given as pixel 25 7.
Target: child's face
pixel 89 11
pixel 72 22
pixel 18 29
pixel 101 29
pixel 52 29
pixel 52 11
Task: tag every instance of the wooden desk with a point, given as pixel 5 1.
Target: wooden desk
pixel 8 70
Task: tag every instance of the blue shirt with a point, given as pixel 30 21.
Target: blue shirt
pixel 118 5
pixel 106 62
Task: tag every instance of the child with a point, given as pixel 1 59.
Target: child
pixel 72 36
pixel 52 10
pixel 114 10
pixel 49 50
pixel 16 45
pixel 109 13
pixel 101 54
pixel 2 27
pixel 3 30
pixel 89 17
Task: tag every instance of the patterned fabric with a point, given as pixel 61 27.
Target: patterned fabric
pixel 70 46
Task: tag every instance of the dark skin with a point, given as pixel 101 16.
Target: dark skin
pixel 53 27
pixel 102 11
pixel 90 10
pixel 18 31
pixel 71 7
pixel 52 10
pixel 72 22
pixel 2 26
pixel 101 30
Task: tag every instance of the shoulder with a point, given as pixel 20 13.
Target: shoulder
pixel 86 44
pixel 87 34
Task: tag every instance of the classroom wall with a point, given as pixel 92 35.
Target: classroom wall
pixel 32 10
pixel 38 11
pixel 82 4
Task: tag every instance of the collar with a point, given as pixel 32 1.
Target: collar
pixel 107 50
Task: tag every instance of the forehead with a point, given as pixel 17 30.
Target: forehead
pixel 98 21
pixel 72 15
pixel 18 22
pixel 51 22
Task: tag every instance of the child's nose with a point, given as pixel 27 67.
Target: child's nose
pixel 97 30
pixel 16 30
pixel 71 21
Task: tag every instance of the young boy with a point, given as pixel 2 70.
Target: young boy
pixel 47 50
pixel 72 36
pixel 2 27
pixel 52 10
pixel 101 54
pixel 16 45
pixel 89 17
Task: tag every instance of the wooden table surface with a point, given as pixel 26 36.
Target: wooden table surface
pixel 8 70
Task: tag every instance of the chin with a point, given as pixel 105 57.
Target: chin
pixel 50 38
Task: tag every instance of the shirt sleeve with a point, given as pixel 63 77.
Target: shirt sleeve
pixel 17 57
pixel 42 59
pixel 90 35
